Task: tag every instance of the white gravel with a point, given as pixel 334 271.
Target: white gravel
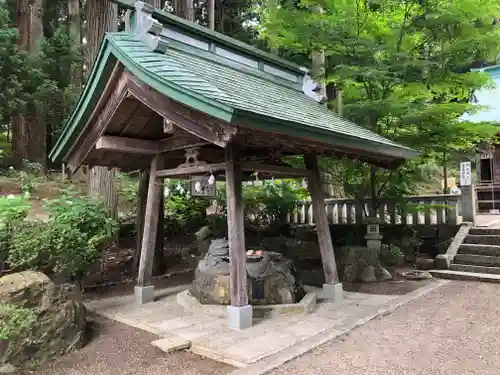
pixel 452 330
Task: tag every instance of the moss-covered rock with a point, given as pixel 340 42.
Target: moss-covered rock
pixel 59 324
pixel 362 265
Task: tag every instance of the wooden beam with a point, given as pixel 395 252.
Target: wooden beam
pixel 146 147
pixel 182 171
pixel 128 145
pixel 109 89
pixel 99 127
pixel 274 169
pixel 213 131
pixel 320 219
pixel 236 228
pixel 180 142
pixel 150 226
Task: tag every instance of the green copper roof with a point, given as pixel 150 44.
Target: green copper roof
pixel 203 81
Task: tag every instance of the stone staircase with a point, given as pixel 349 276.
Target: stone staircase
pixel 477 258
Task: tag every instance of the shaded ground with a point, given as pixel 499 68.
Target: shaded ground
pixel 452 330
pixel 119 349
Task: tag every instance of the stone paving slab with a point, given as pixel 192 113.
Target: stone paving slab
pixel 210 337
pixel 171 344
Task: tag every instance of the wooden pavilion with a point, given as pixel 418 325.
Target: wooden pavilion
pixel 181 100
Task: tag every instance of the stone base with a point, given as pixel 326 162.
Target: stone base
pixel 144 294
pixel 443 262
pixel 333 292
pixel 239 317
pixel 306 305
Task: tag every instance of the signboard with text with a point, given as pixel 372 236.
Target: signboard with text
pixel 465 173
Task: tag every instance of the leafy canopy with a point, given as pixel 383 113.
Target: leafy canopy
pixel 403 65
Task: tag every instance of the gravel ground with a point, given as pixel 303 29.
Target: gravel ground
pixel 121 350
pixel 452 330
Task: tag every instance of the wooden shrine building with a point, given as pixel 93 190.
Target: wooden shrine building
pixel 488 156
pixel 181 100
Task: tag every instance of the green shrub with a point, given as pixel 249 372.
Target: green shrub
pixel 128 189
pixel 68 242
pixel 86 214
pixel 13 210
pixel 183 212
pixel 267 203
pixel 15 320
pixel 391 256
pixel 30 245
pixel 78 229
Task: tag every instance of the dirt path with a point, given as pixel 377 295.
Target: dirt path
pixel 453 330
pixel 121 350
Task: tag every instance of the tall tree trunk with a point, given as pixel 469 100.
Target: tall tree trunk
pixel 157 4
pixel 102 17
pixel 211 14
pixel 184 9
pixel 19 129
pixel 36 124
pixel 74 27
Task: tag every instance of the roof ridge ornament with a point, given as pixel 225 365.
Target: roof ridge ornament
pixel 147 28
pixel 313 89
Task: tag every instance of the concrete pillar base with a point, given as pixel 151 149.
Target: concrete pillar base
pixel 239 318
pixel 333 292
pixel 144 294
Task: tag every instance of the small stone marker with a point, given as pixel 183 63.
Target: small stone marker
pixel 172 344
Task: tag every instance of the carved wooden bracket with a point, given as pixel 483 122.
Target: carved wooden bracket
pixel 192 155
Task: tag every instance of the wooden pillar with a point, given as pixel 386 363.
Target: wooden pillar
pixel 239 313
pixel 159 263
pixel 144 291
pixel 332 287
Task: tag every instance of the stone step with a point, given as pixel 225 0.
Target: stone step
pixel 475 249
pixel 485 231
pixel 466 276
pixel 171 344
pixel 475 269
pixel 477 260
pixel 483 239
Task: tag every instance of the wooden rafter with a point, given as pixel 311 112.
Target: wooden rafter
pixel 215 131
pixel 114 100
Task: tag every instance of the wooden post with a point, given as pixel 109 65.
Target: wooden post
pixel 140 215
pixel 159 264
pixel 332 288
pixel 144 291
pixel 240 312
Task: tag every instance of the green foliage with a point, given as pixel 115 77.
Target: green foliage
pixel 30 245
pixel 71 239
pixel 13 210
pixel 128 188
pixel 54 93
pixel 267 203
pixel 79 226
pixel 15 320
pixel 403 69
pixel 12 68
pixel 391 255
pixel 183 212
